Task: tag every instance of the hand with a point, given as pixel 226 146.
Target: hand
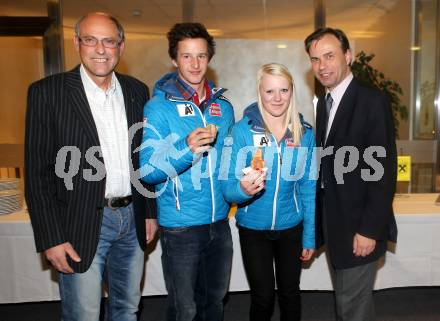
pixel 199 139
pixel 307 254
pixel 57 257
pixel 150 229
pixel 362 245
pixel 253 182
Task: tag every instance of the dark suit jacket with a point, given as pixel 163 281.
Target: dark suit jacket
pixel 363 119
pixel 58 115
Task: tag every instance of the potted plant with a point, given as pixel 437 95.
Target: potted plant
pixel 362 69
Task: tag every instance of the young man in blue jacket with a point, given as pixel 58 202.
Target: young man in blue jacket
pixel 181 156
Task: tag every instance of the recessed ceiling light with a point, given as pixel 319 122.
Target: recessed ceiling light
pixel 281 46
pixel 136 13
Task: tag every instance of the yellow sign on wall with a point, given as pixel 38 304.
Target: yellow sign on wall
pixel 403 168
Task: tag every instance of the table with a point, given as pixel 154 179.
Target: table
pixel 415 261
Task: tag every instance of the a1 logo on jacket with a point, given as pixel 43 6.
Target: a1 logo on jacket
pixel 261 140
pixel 185 110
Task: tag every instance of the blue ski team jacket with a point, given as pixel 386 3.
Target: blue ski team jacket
pixel 187 185
pixel 289 195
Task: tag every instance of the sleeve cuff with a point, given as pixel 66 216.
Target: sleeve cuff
pixel 241 195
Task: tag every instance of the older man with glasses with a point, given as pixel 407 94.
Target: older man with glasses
pixel 95 227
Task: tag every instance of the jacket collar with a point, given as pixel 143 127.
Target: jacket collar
pixel 167 86
pixel 77 99
pixel 255 119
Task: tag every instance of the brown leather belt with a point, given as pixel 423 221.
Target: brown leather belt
pixel 116 202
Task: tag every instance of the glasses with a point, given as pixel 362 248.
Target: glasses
pixel 106 42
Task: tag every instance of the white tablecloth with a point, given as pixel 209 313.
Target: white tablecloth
pixel 415 261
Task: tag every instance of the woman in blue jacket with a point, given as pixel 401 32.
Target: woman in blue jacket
pixel 276 204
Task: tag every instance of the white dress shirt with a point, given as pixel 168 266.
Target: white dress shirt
pixel 337 94
pixel 108 110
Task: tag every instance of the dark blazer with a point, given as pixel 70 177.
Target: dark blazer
pixel 363 119
pixel 58 115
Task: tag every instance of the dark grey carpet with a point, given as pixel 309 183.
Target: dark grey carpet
pixel 400 304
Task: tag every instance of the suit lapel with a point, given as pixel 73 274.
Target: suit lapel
pixel 320 117
pixel 344 110
pixel 78 100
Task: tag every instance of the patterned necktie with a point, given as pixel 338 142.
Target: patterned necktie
pixel 328 106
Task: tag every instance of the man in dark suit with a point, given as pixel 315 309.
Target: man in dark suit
pixel 356 185
pixel 86 213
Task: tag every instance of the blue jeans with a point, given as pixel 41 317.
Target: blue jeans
pixel 118 255
pixel 196 264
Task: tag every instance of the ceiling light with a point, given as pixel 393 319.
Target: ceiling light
pixel 365 34
pixel 136 13
pixel 215 32
pixel 281 46
pixel 415 48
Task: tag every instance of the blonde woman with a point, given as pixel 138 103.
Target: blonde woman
pixel 276 203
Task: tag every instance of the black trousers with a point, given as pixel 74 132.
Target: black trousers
pixel 260 249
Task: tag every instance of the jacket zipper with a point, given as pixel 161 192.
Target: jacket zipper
pixel 176 191
pixel 209 170
pixel 274 208
pixel 294 197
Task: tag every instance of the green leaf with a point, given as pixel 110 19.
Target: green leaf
pixel 362 69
